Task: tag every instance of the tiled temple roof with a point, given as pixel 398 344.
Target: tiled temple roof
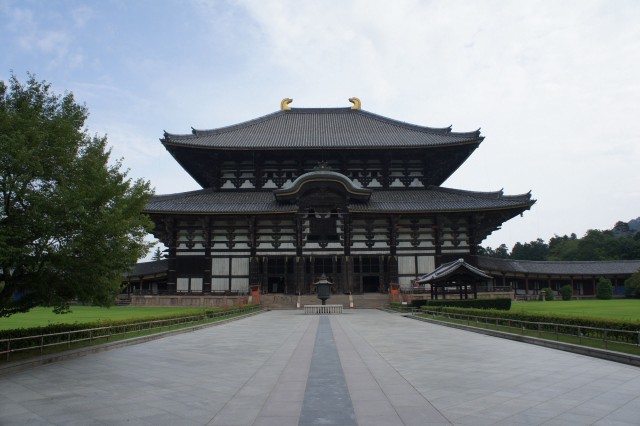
pixel 452 269
pixel 431 199
pixel 595 268
pixel 326 128
pixel 148 268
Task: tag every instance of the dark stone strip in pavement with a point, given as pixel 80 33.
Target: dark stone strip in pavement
pixel 380 395
pixel 248 406
pixel 326 398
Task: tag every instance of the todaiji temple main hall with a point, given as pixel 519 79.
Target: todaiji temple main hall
pixel 343 192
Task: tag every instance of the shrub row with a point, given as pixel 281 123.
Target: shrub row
pixel 121 326
pixel 503 304
pixel 615 329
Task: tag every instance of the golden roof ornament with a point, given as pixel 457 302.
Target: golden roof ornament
pixel 284 104
pixel 356 103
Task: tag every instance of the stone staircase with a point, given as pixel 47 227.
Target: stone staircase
pixel 289 301
pixel 123 300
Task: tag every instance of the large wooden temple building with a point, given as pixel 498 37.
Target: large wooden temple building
pixel 303 192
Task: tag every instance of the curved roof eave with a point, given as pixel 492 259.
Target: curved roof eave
pixel 355 191
pixel 350 129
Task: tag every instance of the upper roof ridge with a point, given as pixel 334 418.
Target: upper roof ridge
pixel 195 133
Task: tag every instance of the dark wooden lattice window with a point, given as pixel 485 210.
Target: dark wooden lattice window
pixel 366 264
pixel 323 228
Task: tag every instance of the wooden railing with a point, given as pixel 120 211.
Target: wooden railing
pixel 68 339
pixel 607 338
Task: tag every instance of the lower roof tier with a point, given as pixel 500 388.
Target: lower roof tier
pixel 428 200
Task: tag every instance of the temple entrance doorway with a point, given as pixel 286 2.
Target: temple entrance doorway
pixel 276 284
pixel 370 283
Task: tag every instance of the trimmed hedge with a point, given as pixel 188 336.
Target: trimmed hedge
pixel 566 291
pixel 123 326
pixel 604 289
pixel 532 321
pixel 503 304
pixel 547 292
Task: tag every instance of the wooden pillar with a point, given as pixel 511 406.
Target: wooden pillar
pixel 206 230
pixel 172 276
pixel 254 271
pixel 265 275
pixel 258 170
pixel 298 269
pixel 437 233
pixel 526 285
pixel 393 235
pixel 393 269
pixel 334 271
pixel 473 244
pixel 347 273
pixel 312 276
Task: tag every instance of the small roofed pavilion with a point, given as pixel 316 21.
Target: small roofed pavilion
pixel 457 274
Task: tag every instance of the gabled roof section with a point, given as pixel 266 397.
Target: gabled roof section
pixel 327 128
pixel 448 271
pixel 322 176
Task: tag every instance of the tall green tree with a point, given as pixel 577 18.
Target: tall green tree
pixel 501 252
pixel 632 285
pixel 70 220
pixel 157 254
pixel 534 250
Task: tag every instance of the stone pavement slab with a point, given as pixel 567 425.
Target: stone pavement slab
pixel 255 372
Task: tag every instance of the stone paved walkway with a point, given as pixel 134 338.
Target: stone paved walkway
pixel 259 371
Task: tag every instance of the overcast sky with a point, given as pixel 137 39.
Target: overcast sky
pixel 554 85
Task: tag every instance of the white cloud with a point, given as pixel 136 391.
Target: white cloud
pixel 555 86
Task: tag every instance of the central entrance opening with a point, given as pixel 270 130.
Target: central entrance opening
pixel 275 284
pixel 371 283
pixel 278 274
pixel 368 273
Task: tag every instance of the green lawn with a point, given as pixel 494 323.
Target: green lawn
pixel 81 314
pixel 622 309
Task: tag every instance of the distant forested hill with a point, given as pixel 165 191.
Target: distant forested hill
pixel 622 242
